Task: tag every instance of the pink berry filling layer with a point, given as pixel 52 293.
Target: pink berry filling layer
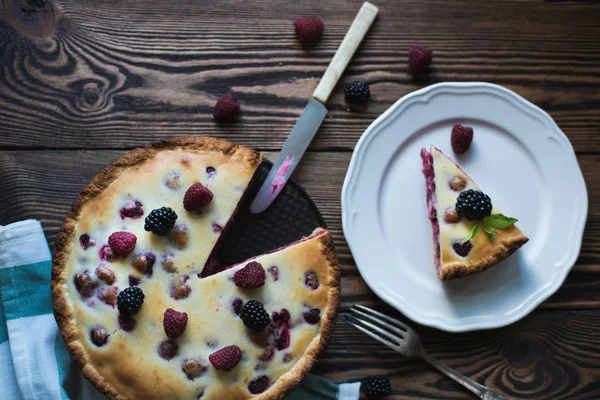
pixel 431 202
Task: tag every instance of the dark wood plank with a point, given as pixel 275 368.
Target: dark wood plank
pixel 547 355
pixel 42 185
pixel 115 74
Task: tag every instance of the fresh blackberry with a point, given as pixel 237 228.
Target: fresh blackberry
pixel 130 301
pixel 376 386
pixel 160 221
pixel 254 315
pixel 473 204
pixel 357 92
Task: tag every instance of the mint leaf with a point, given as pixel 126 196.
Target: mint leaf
pixel 489 230
pixel 472 234
pixel 499 221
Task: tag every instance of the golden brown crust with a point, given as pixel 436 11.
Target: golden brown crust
pixel 295 376
pixel 63 312
pixel 503 247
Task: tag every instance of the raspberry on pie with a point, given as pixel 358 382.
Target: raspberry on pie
pixel 148 354
pixel 453 259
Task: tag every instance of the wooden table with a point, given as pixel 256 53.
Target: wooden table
pixel 82 82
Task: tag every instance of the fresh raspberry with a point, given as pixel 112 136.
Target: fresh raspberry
pixel 122 243
pixel 419 58
pixel 196 196
pixel 309 29
pixel 227 108
pixel 251 276
pixel 227 358
pixel 174 323
pixel 461 138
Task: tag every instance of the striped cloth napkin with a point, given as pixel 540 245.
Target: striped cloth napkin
pixel 34 361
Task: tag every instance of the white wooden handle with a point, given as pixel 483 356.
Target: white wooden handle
pixel 344 53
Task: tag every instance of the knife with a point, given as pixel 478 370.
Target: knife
pixel 313 115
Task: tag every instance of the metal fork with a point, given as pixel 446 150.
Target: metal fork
pixel 402 338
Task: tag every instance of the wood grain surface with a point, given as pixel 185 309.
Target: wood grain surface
pixel 81 82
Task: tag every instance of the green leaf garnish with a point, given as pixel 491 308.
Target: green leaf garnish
pixel 498 221
pixel 472 234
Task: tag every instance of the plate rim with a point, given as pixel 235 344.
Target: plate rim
pixel 424 95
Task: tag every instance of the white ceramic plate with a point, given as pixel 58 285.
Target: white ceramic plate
pixel 519 157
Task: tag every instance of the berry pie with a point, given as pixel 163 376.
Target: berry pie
pixel 142 313
pixel 469 233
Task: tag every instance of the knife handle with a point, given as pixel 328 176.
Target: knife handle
pixel 356 33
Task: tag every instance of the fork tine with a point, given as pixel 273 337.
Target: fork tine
pixel 368 332
pixel 397 331
pixel 377 329
pixel 381 315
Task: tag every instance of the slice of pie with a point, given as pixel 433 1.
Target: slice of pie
pixel 455 252
pixel 139 316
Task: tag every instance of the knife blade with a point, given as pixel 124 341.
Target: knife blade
pixel 313 115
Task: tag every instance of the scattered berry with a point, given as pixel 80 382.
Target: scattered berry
pixel 274 271
pixel 193 369
pixel 251 276
pixel 168 349
pixel 309 29
pixel 108 295
pixel 172 180
pixel 357 92
pixel 133 210
pixel 179 289
pixel 311 280
pixel 179 236
pixel 105 274
pixel 106 254
pixel 126 323
pixel 169 264
pixel 130 301
pixel 134 280
pixel 196 196
pixel 473 204
pixel 267 354
pixel 174 323
pixel 259 384
pixel 99 336
pixel 226 359
pixel 86 241
pixel 122 243
pixel 160 221
pixel 227 108
pixel 463 249
pixel 237 305
pixel 377 386
pixel 458 183
pixel 312 316
pixel 254 315
pixel 287 357
pixel 144 262
pixel 461 138
pixel 419 58
pixel 210 171
pixel 451 216
pixel 84 284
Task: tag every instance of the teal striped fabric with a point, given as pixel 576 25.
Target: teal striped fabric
pixel 34 361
